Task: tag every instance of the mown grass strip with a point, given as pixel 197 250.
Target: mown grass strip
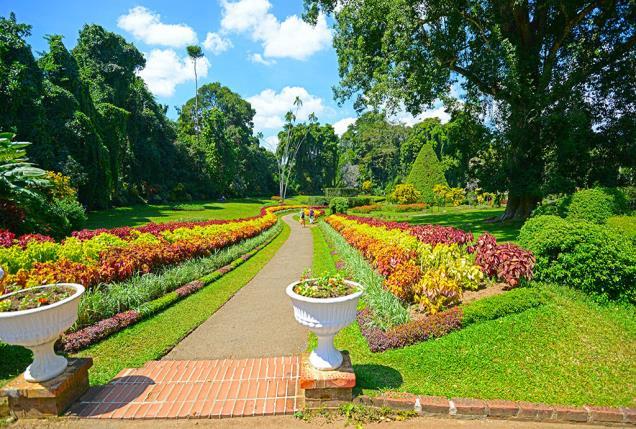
pixel 323 262
pixel 545 343
pixel 155 336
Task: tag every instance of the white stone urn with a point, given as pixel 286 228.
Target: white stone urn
pixel 325 317
pixel 37 329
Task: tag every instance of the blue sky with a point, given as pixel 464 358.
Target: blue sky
pixel 258 48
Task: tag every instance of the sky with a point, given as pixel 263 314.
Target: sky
pixel 260 49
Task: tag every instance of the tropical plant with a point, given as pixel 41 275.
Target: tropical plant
pixel 18 177
pixel 289 145
pixel 195 52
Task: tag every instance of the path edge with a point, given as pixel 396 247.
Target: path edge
pixel 85 337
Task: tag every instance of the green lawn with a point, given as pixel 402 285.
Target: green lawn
pixel 142 214
pixel 569 351
pixel 466 218
pixel 322 263
pixel 155 336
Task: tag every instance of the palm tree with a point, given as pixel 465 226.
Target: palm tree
pixel 195 52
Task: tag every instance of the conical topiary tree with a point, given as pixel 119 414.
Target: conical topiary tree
pixel 426 172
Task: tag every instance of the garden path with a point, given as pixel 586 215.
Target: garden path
pixel 258 321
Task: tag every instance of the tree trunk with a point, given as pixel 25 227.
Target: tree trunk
pixel 519 207
pixel 196 98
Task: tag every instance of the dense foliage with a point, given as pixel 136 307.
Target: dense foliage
pixel 553 79
pixel 224 156
pixel 405 193
pixel 316 162
pixel 91 117
pixel 596 205
pixel 425 173
pixel 594 258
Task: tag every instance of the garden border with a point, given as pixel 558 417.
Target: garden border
pixel 99 331
pixel 470 408
pixel 418 330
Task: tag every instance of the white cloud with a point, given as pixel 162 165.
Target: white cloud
pixel 410 120
pixel 146 25
pixel 216 43
pixel 271 106
pixel 271 143
pixel 165 70
pixel 291 38
pixel 258 58
pixel 341 126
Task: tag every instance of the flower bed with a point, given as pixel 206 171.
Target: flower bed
pixel 413 332
pixel 430 265
pixel 407 265
pixel 91 257
pixel 78 340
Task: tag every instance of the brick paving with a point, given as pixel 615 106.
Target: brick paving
pixel 198 389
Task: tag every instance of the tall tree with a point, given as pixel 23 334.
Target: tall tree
pixel 195 52
pixel 373 144
pixel 533 60
pixel 287 152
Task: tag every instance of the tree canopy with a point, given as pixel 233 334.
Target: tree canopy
pixel 556 75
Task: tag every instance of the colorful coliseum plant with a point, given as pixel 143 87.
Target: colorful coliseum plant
pixel 90 257
pixel 430 266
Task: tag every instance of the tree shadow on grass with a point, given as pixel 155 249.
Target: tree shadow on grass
pixel 13 361
pixel 376 377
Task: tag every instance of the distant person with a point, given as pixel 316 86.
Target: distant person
pixel 311 215
pixel 302 217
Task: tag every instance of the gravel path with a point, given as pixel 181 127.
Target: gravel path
pixel 258 321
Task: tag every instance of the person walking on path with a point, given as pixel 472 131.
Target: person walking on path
pixel 311 216
pixel 302 217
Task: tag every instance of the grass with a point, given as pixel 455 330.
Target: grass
pixel 570 350
pixel 463 217
pixel 202 210
pixel 323 263
pixel 154 337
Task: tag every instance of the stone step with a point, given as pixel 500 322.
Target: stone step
pixel 198 389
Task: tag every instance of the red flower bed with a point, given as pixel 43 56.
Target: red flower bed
pixel 507 262
pixel 433 326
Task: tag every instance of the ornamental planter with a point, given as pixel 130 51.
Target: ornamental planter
pixel 325 317
pixel 38 328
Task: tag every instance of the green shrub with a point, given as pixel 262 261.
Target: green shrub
pixel 340 192
pixel 405 194
pixel 317 200
pixel 587 256
pixel 629 193
pixel 359 201
pixel 512 302
pixel 426 172
pixel 625 225
pixel 597 204
pixel 554 206
pixel 339 205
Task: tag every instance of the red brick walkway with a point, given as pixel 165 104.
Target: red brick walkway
pixel 198 389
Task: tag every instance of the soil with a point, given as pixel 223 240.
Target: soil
pixel 29 299
pixel 475 295
pixel 468 296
